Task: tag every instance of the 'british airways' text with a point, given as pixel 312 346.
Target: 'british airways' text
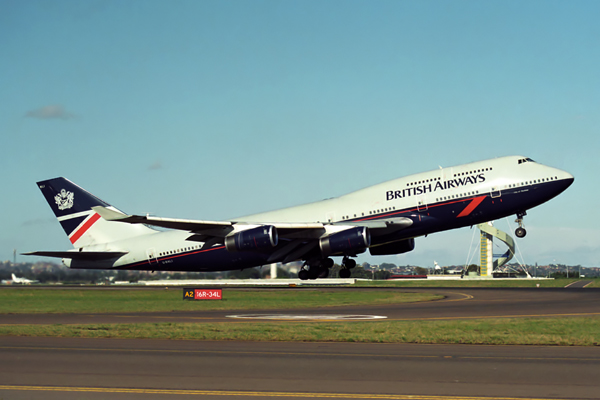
pixel 431 187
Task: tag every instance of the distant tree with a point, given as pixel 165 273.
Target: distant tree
pixel 360 272
pixel 122 276
pixel 334 272
pixel 283 274
pixel 387 266
pixel 473 268
pixel 420 271
pixel 382 275
pixel 563 275
pixel 249 273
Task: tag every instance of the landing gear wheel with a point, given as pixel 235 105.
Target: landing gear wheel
pixel 303 275
pixel 350 263
pixel 323 273
pixel 520 232
pixel 345 273
pixel 313 272
pixel 327 263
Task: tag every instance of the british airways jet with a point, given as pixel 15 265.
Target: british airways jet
pixel 383 219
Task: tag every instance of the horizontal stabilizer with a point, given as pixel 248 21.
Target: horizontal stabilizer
pixel 79 255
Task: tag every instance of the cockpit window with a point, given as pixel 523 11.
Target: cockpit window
pixel 524 160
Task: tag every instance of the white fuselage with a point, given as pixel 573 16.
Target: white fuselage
pixel 436 200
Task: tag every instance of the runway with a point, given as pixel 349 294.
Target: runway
pixel 67 368
pixel 464 303
pixel 60 368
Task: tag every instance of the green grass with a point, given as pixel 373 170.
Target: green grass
pixel 530 331
pixel 462 283
pixel 32 300
pixel 595 283
pixel 533 331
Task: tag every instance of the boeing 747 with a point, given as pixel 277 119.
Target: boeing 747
pixel 383 219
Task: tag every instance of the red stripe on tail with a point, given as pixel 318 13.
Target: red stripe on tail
pixel 83 229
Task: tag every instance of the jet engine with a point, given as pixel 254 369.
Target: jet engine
pixel 349 241
pixel 403 246
pixel 262 237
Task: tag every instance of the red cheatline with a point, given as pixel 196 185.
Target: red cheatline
pixel 472 205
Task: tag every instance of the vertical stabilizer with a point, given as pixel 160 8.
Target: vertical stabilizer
pixel 72 206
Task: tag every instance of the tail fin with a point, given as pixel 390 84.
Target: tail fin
pixel 72 206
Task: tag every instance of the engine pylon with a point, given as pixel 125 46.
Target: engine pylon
pixel 487 263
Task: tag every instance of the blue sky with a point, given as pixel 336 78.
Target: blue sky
pixel 216 109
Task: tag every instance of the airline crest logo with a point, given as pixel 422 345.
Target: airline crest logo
pixel 64 200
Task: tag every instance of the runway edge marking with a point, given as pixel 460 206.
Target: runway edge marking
pixel 250 393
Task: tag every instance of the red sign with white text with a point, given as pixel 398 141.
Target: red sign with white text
pixel 202 294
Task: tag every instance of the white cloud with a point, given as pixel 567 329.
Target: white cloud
pixel 55 111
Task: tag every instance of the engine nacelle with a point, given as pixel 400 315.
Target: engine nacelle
pixel 349 241
pixel 403 246
pixel 262 237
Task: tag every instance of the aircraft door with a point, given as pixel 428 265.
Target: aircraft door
pixel 422 203
pixel 495 192
pixel 151 253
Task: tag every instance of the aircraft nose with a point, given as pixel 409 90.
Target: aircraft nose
pixel 565 180
pixel 567 177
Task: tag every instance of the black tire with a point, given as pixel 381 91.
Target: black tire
pixel 520 232
pixel 303 275
pixel 327 263
pixel 350 263
pixel 345 273
pixel 313 273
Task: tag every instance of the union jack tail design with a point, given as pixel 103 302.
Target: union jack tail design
pixel 72 206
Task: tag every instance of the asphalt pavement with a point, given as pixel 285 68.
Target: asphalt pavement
pixel 62 368
pixel 73 368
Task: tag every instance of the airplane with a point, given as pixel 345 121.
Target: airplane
pixel 384 219
pixel 24 281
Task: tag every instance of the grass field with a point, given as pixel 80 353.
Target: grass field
pixel 505 331
pixel 518 283
pixel 32 300
pixel 530 331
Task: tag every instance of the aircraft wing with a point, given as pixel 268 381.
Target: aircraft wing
pixel 303 236
pixel 221 229
pixel 209 228
pixel 396 223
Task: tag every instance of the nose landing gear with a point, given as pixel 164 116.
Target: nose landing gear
pixel 520 232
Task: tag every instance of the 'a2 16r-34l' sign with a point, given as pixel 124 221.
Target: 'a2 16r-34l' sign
pixel 202 294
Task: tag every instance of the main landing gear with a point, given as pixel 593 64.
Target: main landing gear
pixel 520 232
pixel 347 265
pixel 319 268
pixel 316 268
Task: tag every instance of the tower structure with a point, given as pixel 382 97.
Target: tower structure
pixel 486 252
pixel 487 264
